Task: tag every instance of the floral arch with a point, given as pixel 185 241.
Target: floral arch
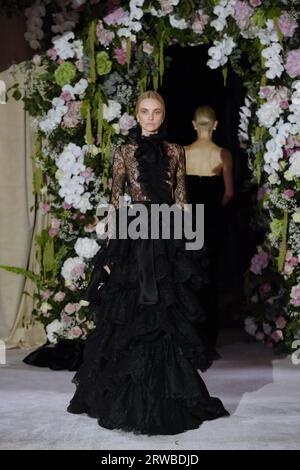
pixel 80 92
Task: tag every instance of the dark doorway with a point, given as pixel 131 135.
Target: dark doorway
pixel 189 83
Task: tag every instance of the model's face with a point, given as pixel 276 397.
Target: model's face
pixel 150 115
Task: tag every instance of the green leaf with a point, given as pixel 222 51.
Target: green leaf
pixel 37 181
pixel 23 272
pixel 91 51
pixel 259 17
pixel 224 73
pixel 274 12
pixel 282 253
pixel 128 52
pixel 48 256
pixel 89 139
pixel 17 95
pixel 100 117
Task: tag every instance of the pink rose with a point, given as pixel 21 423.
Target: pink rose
pixel 75 332
pixel 265 288
pixel 36 59
pixel 55 223
pixel 295 295
pixel 287 24
pixel 52 232
pixel 45 207
pixel 120 55
pixel 79 65
pixel 242 13
pixel 277 336
pixel 284 104
pixel 280 322
pixel 59 296
pixel 51 53
pixel 66 205
pixel 292 64
pixel 255 3
pixel 70 308
pixel 293 260
pixel 147 48
pixel 117 17
pixel 104 36
pixel 72 117
pixel 89 228
pixel 87 173
pixel 288 193
pixel 46 294
pixel 66 96
pixel 259 335
pixel 66 319
pixel 259 261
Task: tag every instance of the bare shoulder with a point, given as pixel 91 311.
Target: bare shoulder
pixel 225 154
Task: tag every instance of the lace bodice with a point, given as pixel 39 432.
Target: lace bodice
pixel 125 169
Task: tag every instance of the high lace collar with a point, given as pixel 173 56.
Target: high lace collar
pixel 153 163
pixel 135 135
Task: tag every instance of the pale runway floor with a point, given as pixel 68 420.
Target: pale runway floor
pixel 260 390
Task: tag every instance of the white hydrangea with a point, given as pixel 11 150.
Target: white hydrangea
pixel 180 23
pixel 267 328
pixel 220 51
pixel 62 46
pixel 73 269
pixel 224 9
pixel 78 89
pixel 268 113
pixel 54 116
pixel 295 164
pixel 54 328
pixel 84 203
pixel 45 307
pixel 250 326
pixel 136 12
pixel 273 60
pixel 70 164
pixel 112 110
pixel 65 49
pixel 279 133
pixel 245 115
pixel 269 34
pixel 86 247
pixel 294 108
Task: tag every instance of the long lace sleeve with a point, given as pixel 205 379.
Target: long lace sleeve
pixel 180 188
pixel 117 186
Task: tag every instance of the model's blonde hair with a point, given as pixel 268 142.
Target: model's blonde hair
pixel 205 117
pixel 152 95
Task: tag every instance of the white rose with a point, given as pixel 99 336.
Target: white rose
pixel 53 329
pixel 295 164
pixel 112 110
pixel 86 247
pixel 45 307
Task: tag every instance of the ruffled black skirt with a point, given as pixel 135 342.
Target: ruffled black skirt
pixel 141 364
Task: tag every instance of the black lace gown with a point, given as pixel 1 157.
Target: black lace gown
pixel 141 364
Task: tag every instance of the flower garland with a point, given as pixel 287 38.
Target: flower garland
pixel 102 56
